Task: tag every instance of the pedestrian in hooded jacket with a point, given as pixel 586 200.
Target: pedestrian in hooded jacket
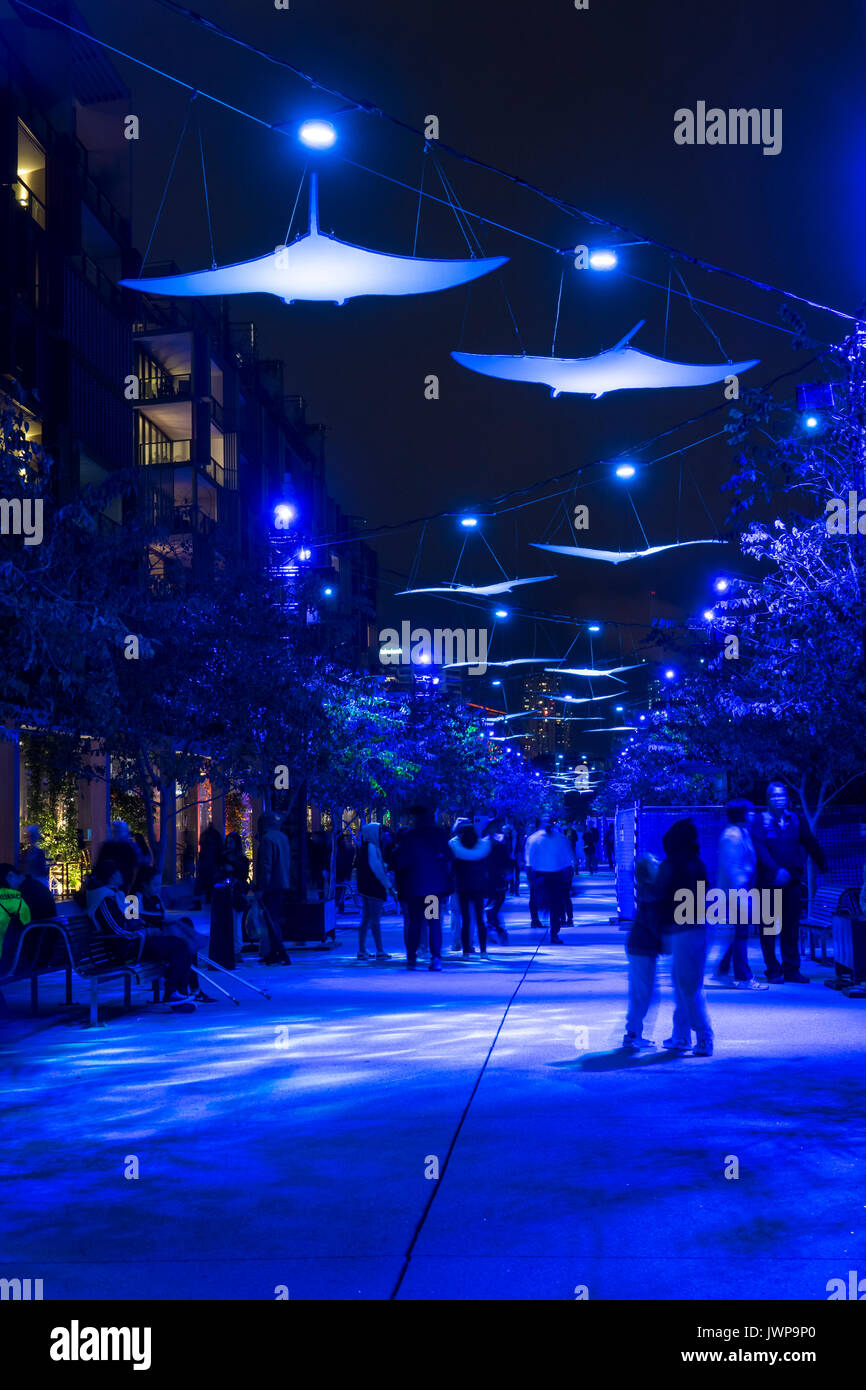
pixel 373 887
pixel 422 866
pixel 783 844
pixel 681 871
pixel 472 875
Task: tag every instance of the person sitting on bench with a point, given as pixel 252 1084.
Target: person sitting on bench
pixel 14 915
pixel 106 907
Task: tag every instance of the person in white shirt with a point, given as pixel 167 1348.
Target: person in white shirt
pixel 549 856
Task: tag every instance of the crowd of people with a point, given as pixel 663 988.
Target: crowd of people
pixel 461 876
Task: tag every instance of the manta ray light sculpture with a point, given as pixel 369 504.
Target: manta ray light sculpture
pixel 617 557
pixel 614 729
pixel 620 368
pixel 516 661
pixel 480 590
pixel 590 671
pixel 584 699
pixel 321 268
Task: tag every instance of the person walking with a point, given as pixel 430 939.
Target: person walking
pixel 422 863
pixel 373 886
pixel 210 849
pixel 32 862
pixel 738 864
pixel 590 848
pixel 609 844
pixel 499 874
pixel 471 855
pixel 549 857
pixel 682 870
pixel 783 844
pixel 273 870
pixel 234 866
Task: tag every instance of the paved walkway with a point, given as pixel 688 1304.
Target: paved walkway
pixel 288 1143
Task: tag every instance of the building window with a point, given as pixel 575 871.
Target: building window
pixel 29 190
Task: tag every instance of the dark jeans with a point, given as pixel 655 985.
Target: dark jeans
pixel 534 903
pixel 738 953
pixel 415 922
pixel 789 938
pixel 494 907
pixel 554 887
pixel 475 903
pixel 272 899
pixel 174 955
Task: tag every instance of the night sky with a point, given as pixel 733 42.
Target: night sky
pixel 581 103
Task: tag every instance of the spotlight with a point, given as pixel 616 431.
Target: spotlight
pixel 625 470
pixel 595 627
pixel 709 615
pixel 496 682
pixel 603 260
pixel 317 135
pixel 469 521
pixel 304 554
pixel 670 673
pixel 618 709
pixel 284 512
pixel 811 422
pixel 722 585
pixel 502 613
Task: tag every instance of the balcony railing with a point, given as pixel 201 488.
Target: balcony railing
pixel 164 451
pixel 166 388
pixel 27 199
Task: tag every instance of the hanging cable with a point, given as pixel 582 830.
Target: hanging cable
pixel 295 205
pixel 556 320
pixel 168 180
pixel 206 198
pixel 420 196
pixel 667 312
pixel 696 311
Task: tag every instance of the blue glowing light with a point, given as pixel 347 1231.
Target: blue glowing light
pixel 811 422
pixel 709 615
pixel 328 592
pixel 722 585
pixel 284 512
pixel 625 470
pixel 595 627
pixel 603 260
pixel 670 673
pixel 469 521
pixel 502 613
pixel 496 682
pixel 304 554
pixel 323 269
pixel 317 135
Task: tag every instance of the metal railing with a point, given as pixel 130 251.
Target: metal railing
pixel 166 388
pixel 27 199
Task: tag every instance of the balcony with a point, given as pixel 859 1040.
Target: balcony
pixel 27 199
pixel 166 388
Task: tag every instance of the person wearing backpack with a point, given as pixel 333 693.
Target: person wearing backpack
pixel 14 916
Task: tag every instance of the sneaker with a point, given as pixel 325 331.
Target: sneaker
pixel 364 955
pixel 483 955
pixel 775 977
pixel 502 936
pixel 557 940
pixel 703 1047
pixel 632 1043
pixel 181 1004
pixel 383 955
pixel 677 1044
pixel 751 984
pixel 798 979
pixel 435 964
pixel 724 980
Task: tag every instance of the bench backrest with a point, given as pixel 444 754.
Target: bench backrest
pixel 88 950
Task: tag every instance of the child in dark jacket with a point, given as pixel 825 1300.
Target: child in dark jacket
pixel 642 947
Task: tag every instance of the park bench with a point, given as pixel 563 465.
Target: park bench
pixel 817 925
pixel 73 944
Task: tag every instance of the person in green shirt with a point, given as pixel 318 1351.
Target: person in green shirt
pixel 14 916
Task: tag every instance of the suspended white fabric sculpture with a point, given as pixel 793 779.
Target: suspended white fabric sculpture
pixel 620 368
pixel 479 590
pixel 517 661
pixel 321 268
pixel 614 729
pixel 617 557
pixel 590 671
pixel 583 699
